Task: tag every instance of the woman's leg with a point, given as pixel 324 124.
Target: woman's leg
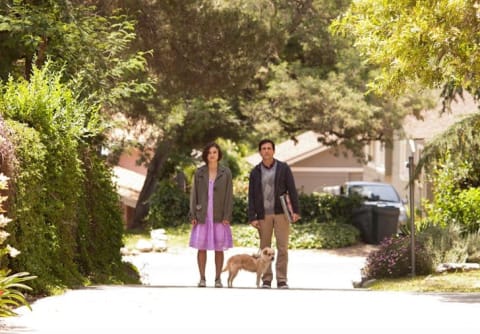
pixel 202 262
pixel 219 257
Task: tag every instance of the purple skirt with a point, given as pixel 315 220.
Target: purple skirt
pixel 211 236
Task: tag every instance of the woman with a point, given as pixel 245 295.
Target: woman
pixel 211 203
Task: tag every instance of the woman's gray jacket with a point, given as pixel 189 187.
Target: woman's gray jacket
pixel 222 195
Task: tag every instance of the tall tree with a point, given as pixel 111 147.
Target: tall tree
pixel 318 82
pixel 202 53
pixel 191 125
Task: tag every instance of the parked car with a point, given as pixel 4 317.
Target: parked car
pixel 377 194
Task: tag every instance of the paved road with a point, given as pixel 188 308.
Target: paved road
pixel 321 299
pixel 307 269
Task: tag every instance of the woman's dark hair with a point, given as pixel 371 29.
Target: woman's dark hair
pixel 264 141
pixel 207 148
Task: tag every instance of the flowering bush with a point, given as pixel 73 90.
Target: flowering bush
pixel 392 259
pixel 11 285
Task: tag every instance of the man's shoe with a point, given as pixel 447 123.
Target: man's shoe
pixel 267 284
pixel 282 285
pixel 202 283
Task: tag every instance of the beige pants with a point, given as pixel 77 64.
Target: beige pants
pixel 279 225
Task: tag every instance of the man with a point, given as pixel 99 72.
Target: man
pixel 268 181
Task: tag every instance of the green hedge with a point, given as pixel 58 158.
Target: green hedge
pixel 67 220
pixel 169 207
pixel 323 207
pixel 325 222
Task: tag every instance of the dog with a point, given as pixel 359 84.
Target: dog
pixel 257 263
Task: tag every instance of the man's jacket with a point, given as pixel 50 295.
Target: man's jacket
pixel 284 183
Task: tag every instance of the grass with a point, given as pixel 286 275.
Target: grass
pixel 447 282
pixel 245 236
pixel 177 237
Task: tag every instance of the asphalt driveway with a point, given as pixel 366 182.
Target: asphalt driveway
pixel 331 269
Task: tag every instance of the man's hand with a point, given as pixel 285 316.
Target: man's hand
pixel 295 218
pixel 255 224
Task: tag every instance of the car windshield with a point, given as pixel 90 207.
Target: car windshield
pixel 375 192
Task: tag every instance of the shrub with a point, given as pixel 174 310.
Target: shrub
pixel 240 209
pixel 304 236
pixel 453 200
pixel 434 245
pixel 324 207
pixel 323 236
pixel 169 206
pixel 11 285
pixel 245 236
pixel 473 247
pixel 100 228
pixel 393 259
pixel 444 244
pixel 11 295
pixel 467 207
pixel 325 219
pixel 64 203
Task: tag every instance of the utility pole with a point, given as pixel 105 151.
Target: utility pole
pixel 411 183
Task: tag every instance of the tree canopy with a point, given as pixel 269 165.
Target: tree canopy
pixel 197 70
pixel 435 43
pixel 318 81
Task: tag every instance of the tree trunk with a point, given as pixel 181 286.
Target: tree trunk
pixel 28 67
pixel 154 172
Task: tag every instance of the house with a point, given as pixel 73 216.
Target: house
pixel 129 178
pixel 314 165
pixel 390 164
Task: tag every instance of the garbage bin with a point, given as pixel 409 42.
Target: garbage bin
pixel 362 219
pixel 385 222
pixel 375 223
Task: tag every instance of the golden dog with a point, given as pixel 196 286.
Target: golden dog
pixel 257 263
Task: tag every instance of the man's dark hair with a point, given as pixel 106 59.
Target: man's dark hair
pixel 207 148
pixel 265 141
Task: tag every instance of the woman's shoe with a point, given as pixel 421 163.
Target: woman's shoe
pixel 202 283
pixel 218 283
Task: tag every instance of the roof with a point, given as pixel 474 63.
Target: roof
pixel 434 123
pixel 290 151
pixel 129 184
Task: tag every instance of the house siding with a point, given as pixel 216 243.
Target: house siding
pixel 327 158
pixel 315 166
pixel 315 182
pixel 325 169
